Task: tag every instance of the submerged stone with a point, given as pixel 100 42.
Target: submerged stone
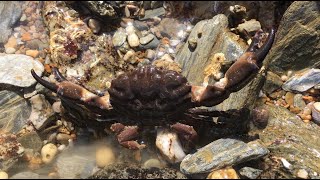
pixel 303 81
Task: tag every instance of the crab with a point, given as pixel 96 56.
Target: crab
pixel 150 96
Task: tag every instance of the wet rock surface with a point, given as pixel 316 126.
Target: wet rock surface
pixel 10 151
pixel 10 13
pixel 125 171
pixel 14 111
pixel 15 69
pixel 296 44
pixel 287 137
pixel 221 153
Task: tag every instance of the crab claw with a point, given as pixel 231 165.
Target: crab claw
pixel 73 91
pixel 239 74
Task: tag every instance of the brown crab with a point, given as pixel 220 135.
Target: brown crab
pixel 149 96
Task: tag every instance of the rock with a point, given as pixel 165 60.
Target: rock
pixel 133 40
pixel 249 172
pixel 10 12
pixel 152 163
pixel 146 39
pixel 298 101
pixel 250 26
pixel 119 37
pixel 132 171
pixel 273 82
pixel 4 175
pixel 10 50
pixel 41 111
pixel 10 151
pixel 316 112
pixel 151 45
pixel 140 25
pixel 170 27
pixel 221 153
pixel 150 14
pixel 287 137
pixel 72 165
pixel 32 53
pixel 48 153
pixel 302 173
pixel 26 175
pixel 14 111
pixel 297 39
pixel 228 173
pixel 94 25
pixel 214 38
pixel 104 156
pixel 302 81
pixel 15 69
pixel 169 145
pixel 31 141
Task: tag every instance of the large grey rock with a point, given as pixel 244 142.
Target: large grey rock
pixel 297 41
pixel 10 12
pixel 213 37
pixel 131 171
pixel 303 81
pixel 15 69
pixel 288 137
pixel 14 111
pixel 31 141
pixel 221 153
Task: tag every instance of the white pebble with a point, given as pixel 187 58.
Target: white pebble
pixel 284 78
pixel 302 173
pixel 62 147
pixel 4 175
pixel 10 50
pixel 128 55
pixel 48 153
pixel 56 106
pixel 285 163
pixel 151 163
pixel 23 17
pixel 133 40
pixel 130 29
pixel 104 156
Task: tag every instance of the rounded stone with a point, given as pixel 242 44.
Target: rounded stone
pixel 133 40
pixel 4 175
pixel 152 163
pixel 146 39
pixel 10 50
pixel 104 156
pixel 48 153
pixel 119 38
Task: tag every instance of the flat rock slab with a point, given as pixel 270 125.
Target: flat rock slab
pixel 15 69
pixel 14 111
pixel 302 81
pixel 221 153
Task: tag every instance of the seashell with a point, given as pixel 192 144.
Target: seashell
pixel 260 117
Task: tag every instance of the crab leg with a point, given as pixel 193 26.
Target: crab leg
pixel 125 134
pixel 242 71
pixel 73 91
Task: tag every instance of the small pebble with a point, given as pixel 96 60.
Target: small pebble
pixel 10 50
pixel 63 138
pixel 227 173
pixel 32 53
pixel 150 54
pixel 133 40
pixel 48 153
pixel 192 43
pixel 26 36
pixel 147 39
pixel 4 175
pixel 130 29
pixel 302 173
pixel 284 78
pixel 151 163
pixel 104 156
pixel 23 17
pixel 56 106
pixel 128 55
pixel 94 25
